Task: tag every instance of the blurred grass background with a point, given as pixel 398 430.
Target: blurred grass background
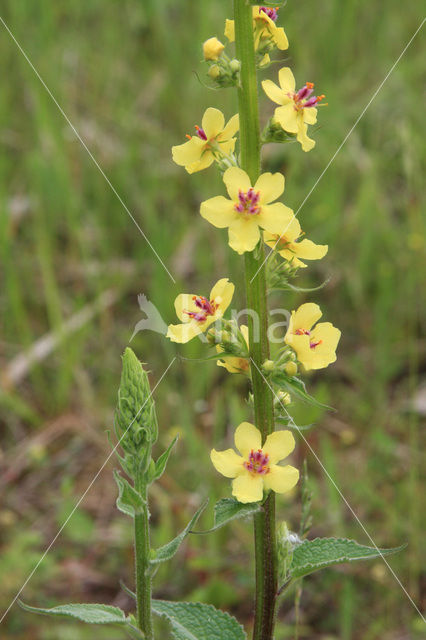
pixel 125 75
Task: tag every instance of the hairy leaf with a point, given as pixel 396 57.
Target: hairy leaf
pixel 162 461
pixel 320 553
pixel 129 501
pixel 228 509
pixel 90 613
pixel 168 550
pixel 196 621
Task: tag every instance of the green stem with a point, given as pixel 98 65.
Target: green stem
pixel 264 522
pixel 143 576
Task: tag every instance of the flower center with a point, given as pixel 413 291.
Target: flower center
pixel 205 308
pixel 304 99
pixel 314 343
pixel 200 132
pixel 248 202
pixel 270 12
pixel 304 332
pixel 258 462
pixel 281 242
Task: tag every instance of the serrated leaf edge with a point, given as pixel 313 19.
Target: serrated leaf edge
pixel 380 552
pixel 195 605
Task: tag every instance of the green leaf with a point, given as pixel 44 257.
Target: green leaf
pixel 168 550
pixel 228 509
pixel 90 613
pixel 129 501
pixel 162 461
pixel 321 553
pixel 298 388
pixel 196 621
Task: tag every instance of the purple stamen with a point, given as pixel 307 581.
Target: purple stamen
pixel 258 462
pixel 304 92
pixel 247 202
pixel 207 308
pixel 201 133
pixel 270 12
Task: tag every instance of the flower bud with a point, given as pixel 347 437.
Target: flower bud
pixel 286 542
pixel 290 368
pixel 214 72
pixel 212 48
pixel 136 422
pixel 268 366
pixel 283 397
pixel 235 65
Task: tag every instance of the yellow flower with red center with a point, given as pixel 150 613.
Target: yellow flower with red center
pixel 264 27
pixel 291 247
pixel 248 209
pixel 256 469
pixel 212 48
pixel 211 141
pixel 197 313
pixel 315 346
pixel 297 108
pixel 235 364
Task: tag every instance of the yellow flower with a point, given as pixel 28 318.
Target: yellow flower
pixel 212 48
pixel 264 28
pixel 235 364
pixel 212 140
pixel 291 247
pixel 248 209
pixel 198 313
pixel 255 470
pixel 297 108
pixel 315 346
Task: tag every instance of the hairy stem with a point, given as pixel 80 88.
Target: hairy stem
pixel 264 522
pixel 142 575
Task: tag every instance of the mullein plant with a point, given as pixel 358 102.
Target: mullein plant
pixel 254 217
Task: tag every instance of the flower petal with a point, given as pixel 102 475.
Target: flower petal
pixel 301 345
pixel 273 91
pixel 222 293
pixel 281 479
pixel 244 330
pixel 207 158
pixel 305 316
pixel 280 38
pixel 230 30
pixel 213 122
pixel 308 250
pixel 279 445
pixel 244 234
pixel 270 186
pixel 248 487
pixel 286 80
pixel 276 218
pixel 286 116
pixel 185 302
pixel 324 353
pixel 247 437
pixel 231 128
pixel 310 115
pixel 188 152
pixel 228 463
pixel 292 232
pixel 183 333
pixel 302 136
pixel 236 179
pixel 219 211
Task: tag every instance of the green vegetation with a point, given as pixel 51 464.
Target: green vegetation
pixel 120 72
